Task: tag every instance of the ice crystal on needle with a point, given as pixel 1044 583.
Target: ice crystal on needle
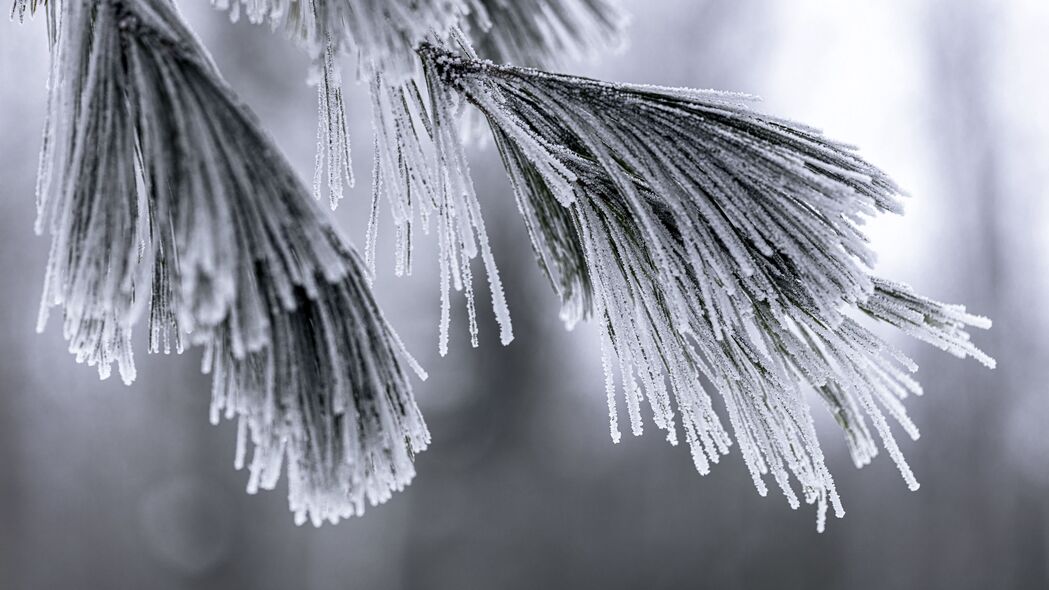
pixel 714 245
pixel 161 192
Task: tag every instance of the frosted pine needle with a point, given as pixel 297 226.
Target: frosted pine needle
pixel 331 393
pixel 161 193
pixel 333 137
pixel 714 245
pixel 420 167
pixel 422 172
pixel 382 33
pixel 383 36
pixel 545 32
pixel 21 7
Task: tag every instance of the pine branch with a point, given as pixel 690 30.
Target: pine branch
pixel 718 248
pixel 161 191
pixel 714 245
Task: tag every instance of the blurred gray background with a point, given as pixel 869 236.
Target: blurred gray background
pixel 106 486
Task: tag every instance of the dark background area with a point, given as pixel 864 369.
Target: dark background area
pixel 106 486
